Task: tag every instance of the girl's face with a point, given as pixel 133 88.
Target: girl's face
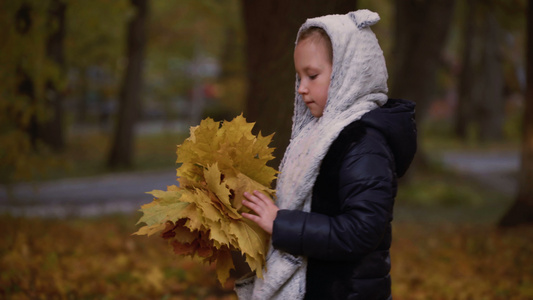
pixel 313 66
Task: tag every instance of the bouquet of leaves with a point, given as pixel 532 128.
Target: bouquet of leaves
pixel 202 216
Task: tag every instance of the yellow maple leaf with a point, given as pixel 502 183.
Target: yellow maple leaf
pixel 189 174
pixel 255 264
pixel 155 213
pixel 251 241
pixel 150 230
pixel 219 236
pixel 200 146
pixel 204 205
pixel 242 183
pixel 232 132
pixel 215 184
pixel 194 217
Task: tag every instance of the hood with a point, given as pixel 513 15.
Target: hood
pixel 396 121
pixel 358 73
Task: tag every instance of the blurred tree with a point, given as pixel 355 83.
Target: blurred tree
pixel 32 80
pixel 122 149
pixel 464 111
pixel 271 28
pixel 421 29
pixel 232 77
pixel 481 85
pixel 94 53
pixel 195 51
pixel 25 86
pixel 52 131
pixel 521 211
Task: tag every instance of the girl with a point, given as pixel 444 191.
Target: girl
pixel 331 225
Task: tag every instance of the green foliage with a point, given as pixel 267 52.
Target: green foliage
pixel 25 71
pixel 95 43
pixel 182 33
pixel 96 33
pixel 92 37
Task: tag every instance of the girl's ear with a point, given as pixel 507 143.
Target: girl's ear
pixel 364 18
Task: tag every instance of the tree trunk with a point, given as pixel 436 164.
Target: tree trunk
pixel 521 212
pixel 271 28
pixel 464 105
pixel 83 101
pixel 421 30
pixel 481 101
pixel 51 131
pixel 25 84
pixel 122 151
pixel 490 106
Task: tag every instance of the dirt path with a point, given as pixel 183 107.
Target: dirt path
pixel 126 192
pixel 496 170
pixel 112 193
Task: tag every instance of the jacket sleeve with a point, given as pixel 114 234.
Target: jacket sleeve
pixel 366 189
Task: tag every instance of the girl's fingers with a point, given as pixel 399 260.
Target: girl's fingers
pixel 256 198
pixel 264 208
pixel 251 217
pixel 250 197
pixel 262 197
pixel 258 202
pixel 251 205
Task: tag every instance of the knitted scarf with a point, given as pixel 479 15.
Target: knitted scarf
pixel 358 85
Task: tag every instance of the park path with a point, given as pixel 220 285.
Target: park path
pixel 496 169
pixel 126 192
pixel 106 194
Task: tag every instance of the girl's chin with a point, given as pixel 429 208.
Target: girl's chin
pixel 316 114
pixel 315 111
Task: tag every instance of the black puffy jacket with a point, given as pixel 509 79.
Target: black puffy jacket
pixel 347 235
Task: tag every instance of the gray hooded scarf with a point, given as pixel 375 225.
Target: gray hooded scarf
pixel 358 85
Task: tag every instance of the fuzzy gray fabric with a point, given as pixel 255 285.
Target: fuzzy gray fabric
pixel 358 85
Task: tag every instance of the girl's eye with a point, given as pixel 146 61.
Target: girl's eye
pixel 312 77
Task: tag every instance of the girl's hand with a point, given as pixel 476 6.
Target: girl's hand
pixel 264 207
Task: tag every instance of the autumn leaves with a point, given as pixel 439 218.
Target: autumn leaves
pixel 202 217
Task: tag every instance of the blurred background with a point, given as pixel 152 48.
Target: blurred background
pixel 96 95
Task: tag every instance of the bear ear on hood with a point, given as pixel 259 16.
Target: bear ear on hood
pixel 364 18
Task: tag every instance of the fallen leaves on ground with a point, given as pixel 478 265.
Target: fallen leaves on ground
pixel 98 259
pixel 451 261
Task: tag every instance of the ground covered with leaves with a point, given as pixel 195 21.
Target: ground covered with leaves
pixel 96 259
pixel 100 259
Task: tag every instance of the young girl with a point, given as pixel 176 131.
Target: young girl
pixel 331 228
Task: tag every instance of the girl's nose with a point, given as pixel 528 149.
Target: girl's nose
pixel 302 89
